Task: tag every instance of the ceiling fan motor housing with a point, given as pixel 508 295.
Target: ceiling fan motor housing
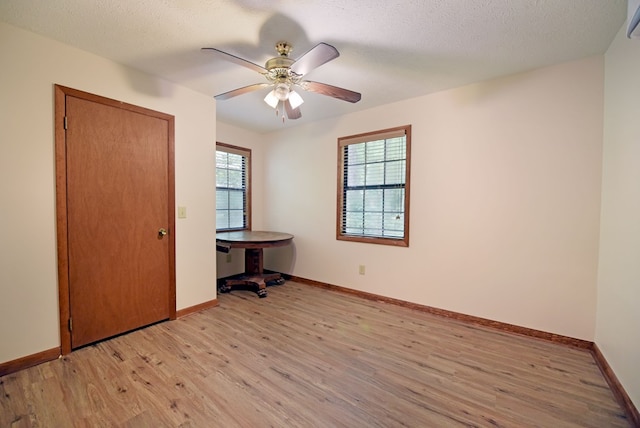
pixel 278 62
pixel 280 67
pixel 279 71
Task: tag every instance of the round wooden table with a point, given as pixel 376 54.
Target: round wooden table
pixel 253 243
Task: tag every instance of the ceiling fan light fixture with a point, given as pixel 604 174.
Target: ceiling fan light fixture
pixel 271 99
pixel 281 91
pixel 295 99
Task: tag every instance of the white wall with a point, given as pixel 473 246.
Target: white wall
pixel 31 65
pixel 618 318
pixel 505 200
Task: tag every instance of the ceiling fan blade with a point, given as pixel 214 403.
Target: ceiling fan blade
pixel 314 58
pixel 241 91
pixel 292 113
pixel 237 60
pixel 332 91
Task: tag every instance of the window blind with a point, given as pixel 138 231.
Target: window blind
pixel 231 188
pixel 373 184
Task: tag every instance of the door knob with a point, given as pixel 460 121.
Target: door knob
pixel 162 232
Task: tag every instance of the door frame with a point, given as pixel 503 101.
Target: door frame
pixel 61 92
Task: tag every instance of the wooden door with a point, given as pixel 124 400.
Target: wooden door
pixel 119 199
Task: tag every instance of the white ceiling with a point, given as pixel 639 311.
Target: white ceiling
pixel 390 50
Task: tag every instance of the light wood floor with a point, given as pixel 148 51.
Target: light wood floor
pixel 309 357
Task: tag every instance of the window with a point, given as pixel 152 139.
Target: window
pixel 373 187
pixel 233 190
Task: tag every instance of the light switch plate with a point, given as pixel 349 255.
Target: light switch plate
pixel 182 212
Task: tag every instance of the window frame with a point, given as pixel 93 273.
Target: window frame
pixel 366 137
pixel 242 151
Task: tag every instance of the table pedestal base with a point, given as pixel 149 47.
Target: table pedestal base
pixel 259 281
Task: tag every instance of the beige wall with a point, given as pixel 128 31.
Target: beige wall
pixel 28 270
pixel 618 318
pixel 505 200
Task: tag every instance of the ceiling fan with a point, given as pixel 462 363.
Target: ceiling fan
pixel 284 75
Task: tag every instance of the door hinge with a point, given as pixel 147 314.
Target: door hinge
pixel 66 123
pixel 70 324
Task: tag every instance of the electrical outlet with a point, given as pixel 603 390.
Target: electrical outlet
pixel 228 257
pixel 361 270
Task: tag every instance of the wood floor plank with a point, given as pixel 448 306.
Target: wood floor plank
pixel 311 357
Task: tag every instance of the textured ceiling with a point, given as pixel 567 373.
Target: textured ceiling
pixel 390 50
